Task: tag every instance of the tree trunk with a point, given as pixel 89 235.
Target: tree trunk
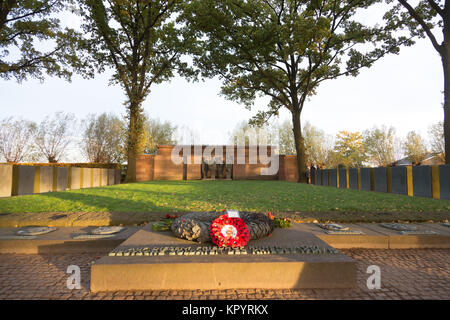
pixel 133 140
pixel 446 67
pixel 299 147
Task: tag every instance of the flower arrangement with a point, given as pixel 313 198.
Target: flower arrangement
pixel 165 224
pixel 229 232
pixel 280 222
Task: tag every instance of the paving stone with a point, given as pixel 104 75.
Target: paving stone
pixel 406 274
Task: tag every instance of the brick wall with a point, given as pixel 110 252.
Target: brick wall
pixel 144 167
pixel 288 169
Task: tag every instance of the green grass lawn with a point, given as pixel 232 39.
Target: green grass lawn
pixel 259 196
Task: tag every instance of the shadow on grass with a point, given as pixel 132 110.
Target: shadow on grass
pixel 109 203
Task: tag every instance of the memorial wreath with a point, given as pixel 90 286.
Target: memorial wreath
pixel 229 232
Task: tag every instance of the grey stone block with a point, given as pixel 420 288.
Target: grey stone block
pixel 313 176
pixel 325 177
pixel 398 180
pixel 422 181
pixel 444 181
pixel 380 179
pixel 343 178
pixel 75 180
pixel 6 180
pixel 353 178
pixel 104 177
pixel 96 176
pixel 333 177
pixel 111 177
pixel 117 176
pixel 366 179
pixel 86 172
pixel 319 177
pixel 45 179
pixel 62 179
pixel 26 180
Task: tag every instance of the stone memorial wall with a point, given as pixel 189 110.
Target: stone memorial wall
pixel 380 179
pixel 353 178
pixel 20 180
pixel 342 178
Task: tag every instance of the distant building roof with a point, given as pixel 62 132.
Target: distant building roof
pixel 429 159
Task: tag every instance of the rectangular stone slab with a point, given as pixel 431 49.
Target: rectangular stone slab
pixel 422 181
pixel 343 178
pixel 366 179
pixel 61 241
pixel 222 271
pixel 6 178
pixel 46 179
pixel 353 178
pixel 398 180
pixel 370 239
pixel 380 179
pixel 444 181
pixel 62 179
pixel 410 241
pixel 26 180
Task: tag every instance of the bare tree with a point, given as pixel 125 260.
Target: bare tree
pixel 53 135
pixel 16 139
pixel 318 146
pixel 157 133
pixel 103 138
pixel 415 148
pixel 380 144
pixel 286 140
pixel 437 141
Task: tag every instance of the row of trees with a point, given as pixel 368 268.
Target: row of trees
pixel 103 138
pixel 282 49
pixel 379 146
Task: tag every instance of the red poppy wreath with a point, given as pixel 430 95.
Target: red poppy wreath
pixel 229 232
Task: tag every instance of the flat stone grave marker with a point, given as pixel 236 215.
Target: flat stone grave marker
pixel 104 232
pixel 333 228
pixel 92 236
pixel 406 229
pixel 107 230
pixel 14 237
pixel 35 231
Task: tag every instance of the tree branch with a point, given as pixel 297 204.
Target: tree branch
pixel 424 26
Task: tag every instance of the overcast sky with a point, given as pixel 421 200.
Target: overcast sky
pixel 403 91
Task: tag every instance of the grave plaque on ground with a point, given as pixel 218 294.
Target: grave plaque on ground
pixel 107 230
pixel 35 231
pixel 405 229
pixel 333 228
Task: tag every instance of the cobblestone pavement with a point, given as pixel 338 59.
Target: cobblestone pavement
pixel 405 274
